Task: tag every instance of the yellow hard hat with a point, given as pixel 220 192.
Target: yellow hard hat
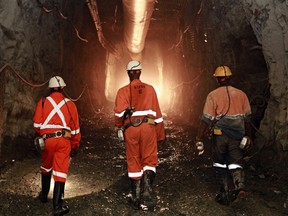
pixel 222 71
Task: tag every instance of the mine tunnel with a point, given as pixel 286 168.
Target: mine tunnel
pixel 179 43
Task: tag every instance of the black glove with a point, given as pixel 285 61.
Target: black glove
pixel 74 151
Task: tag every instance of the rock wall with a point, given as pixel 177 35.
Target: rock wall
pixel 29 49
pixel 269 21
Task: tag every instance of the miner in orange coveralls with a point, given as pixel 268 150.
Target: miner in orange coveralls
pixel 57 123
pixel 227 114
pixel 138 114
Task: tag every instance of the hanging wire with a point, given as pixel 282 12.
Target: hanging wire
pixel 8 66
pixel 85 87
pixel 91 104
pixel 46 10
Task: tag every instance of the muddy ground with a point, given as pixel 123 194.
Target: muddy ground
pixel 98 185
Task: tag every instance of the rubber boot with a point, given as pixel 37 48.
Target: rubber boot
pixel 239 192
pixel 45 185
pixel 58 195
pixel 222 180
pixel 135 198
pixel 147 201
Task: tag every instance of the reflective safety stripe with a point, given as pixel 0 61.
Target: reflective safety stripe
pixel 141 113
pixel 37 125
pixel 234 166
pixel 46 170
pixel 208 116
pixel 56 126
pixel 144 112
pixel 120 114
pixel 236 116
pixel 149 168
pixel 74 132
pixel 135 174
pixel 138 113
pixel 219 165
pixel 159 120
pixel 60 174
pixel 57 110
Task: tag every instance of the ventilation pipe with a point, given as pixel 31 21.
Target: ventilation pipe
pixel 137 16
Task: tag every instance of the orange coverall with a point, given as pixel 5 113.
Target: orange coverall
pixel 141 141
pixel 55 113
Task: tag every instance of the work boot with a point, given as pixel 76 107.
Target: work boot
pixel 58 195
pixel 45 187
pixel 238 179
pixel 222 197
pixel 222 180
pixel 147 201
pixel 239 192
pixel 135 196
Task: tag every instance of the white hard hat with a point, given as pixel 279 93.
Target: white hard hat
pixel 134 65
pixel 56 81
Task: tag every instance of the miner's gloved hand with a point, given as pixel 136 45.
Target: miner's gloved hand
pixel 120 134
pixel 199 146
pixel 245 143
pixel 74 151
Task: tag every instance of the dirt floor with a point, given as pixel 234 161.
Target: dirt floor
pixel 98 185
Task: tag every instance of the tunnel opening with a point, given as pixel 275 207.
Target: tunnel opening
pixel 179 57
pixel 185 42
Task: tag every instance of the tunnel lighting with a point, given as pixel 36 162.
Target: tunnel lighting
pixel 153 73
pixel 137 15
pixel 205 37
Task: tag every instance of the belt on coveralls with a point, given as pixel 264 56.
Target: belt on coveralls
pixel 138 122
pixel 55 134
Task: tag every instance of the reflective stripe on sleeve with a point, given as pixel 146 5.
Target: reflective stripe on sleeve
pixel 36 125
pixel 159 120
